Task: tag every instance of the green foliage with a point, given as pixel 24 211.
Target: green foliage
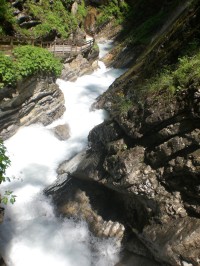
pixel 112 10
pixel 6 15
pixel 7 71
pixel 8 197
pixel 26 61
pixel 31 60
pixel 123 103
pixel 187 70
pixel 53 16
pixel 4 163
pixel 82 12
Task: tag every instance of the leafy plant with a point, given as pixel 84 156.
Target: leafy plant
pixel 4 163
pixel 52 15
pixel 8 197
pixel 112 10
pixel 6 15
pixel 187 70
pixel 123 103
pixel 30 60
pixel 7 71
pixel 27 60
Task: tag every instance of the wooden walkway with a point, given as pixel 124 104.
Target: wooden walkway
pixel 62 48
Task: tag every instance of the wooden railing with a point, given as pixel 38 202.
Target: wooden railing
pixel 60 47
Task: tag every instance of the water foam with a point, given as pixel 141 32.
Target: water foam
pixel 31 233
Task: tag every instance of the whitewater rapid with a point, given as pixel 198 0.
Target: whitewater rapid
pixel 31 234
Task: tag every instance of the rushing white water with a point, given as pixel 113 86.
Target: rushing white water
pixel 31 234
pixel 103 49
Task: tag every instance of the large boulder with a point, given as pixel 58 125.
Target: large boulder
pixel 35 100
pixel 77 68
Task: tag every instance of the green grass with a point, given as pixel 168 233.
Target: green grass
pixel 186 72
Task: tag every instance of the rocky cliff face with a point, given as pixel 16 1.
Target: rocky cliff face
pixel 152 154
pixel 148 151
pixel 35 100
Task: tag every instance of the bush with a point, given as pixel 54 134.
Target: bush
pixel 26 61
pixel 4 163
pixel 7 71
pixel 31 60
pixel 54 15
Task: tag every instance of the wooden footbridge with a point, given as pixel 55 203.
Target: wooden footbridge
pixel 61 48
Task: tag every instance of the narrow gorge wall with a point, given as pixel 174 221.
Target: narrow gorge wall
pixel 35 100
pixel 148 151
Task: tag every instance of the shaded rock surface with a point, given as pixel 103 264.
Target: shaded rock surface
pixel 148 152
pixel 35 100
pixel 2 263
pixel 151 153
pixel 77 68
pixel 87 201
pixel 129 259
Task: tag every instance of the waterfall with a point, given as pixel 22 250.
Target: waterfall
pixel 31 234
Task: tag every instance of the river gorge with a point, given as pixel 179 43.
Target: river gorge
pixel 31 234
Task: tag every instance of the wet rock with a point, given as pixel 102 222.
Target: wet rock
pixel 36 100
pixel 130 259
pixel 80 208
pixel 62 132
pixel 77 68
pixel 90 202
pixel 1 214
pixel 151 155
pixel 177 241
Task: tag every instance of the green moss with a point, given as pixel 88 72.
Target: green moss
pixel 122 103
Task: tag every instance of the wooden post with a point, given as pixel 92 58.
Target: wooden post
pixel 71 51
pixel 63 47
pixel 11 42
